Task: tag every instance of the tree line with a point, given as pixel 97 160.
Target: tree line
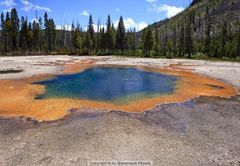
pixel 174 39
pixel 107 40
pixel 40 36
pixel 20 37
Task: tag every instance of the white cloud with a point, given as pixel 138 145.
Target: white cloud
pixel 117 10
pixel 85 13
pixel 169 10
pixel 151 1
pixel 28 6
pixel 37 7
pixel 95 27
pixel 66 27
pixel 130 23
pixel 8 3
pixel 7 10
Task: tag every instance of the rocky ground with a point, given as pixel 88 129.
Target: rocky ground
pixel 204 131
pixel 35 65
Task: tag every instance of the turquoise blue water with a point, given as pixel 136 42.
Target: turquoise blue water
pixel 108 84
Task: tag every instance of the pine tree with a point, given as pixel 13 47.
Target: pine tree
pixel 41 34
pixel 114 34
pixel 36 35
pixel 29 38
pixel 88 42
pixel 189 38
pixel 8 43
pixel 14 28
pixel 72 36
pixel 120 38
pixel 102 43
pixel 170 49
pixel 156 42
pixel 47 33
pixel 64 40
pixel 61 40
pixel 223 38
pixel 174 41
pixel 165 43
pixel 90 36
pixel 161 41
pixel 181 41
pixel 109 36
pixel 127 41
pixel 3 31
pixel 97 43
pixel 131 40
pixel 148 41
pixel 237 50
pixel 76 39
pixel 50 33
pixel 208 32
pixel 215 45
pixel 90 28
pixel 23 35
pixel 134 44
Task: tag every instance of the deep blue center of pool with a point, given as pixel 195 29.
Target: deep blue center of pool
pixel 108 84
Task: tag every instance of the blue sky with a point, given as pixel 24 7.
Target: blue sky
pixel 136 13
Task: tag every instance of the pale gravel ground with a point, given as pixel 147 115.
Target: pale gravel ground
pixel 33 65
pixel 203 131
pixel 200 132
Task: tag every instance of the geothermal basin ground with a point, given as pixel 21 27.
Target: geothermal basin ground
pixel 200 129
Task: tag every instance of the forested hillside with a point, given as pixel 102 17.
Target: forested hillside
pixel 206 27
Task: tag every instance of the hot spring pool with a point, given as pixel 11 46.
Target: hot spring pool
pixel 109 84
